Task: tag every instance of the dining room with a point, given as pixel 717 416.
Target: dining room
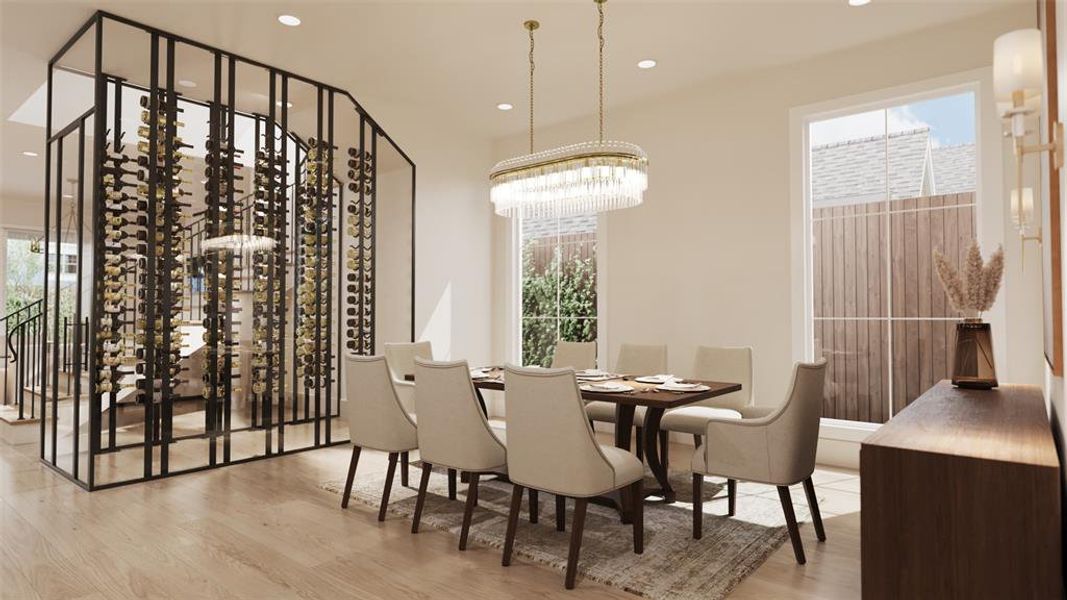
pixel 609 298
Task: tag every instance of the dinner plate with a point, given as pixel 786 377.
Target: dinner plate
pixel 606 388
pixel 654 378
pixel 683 387
pixel 480 373
pixel 591 373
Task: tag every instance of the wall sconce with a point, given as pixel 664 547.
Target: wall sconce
pixel 1018 78
pixel 1022 213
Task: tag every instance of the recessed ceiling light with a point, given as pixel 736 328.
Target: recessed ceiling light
pixel 858 2
pixel 289 20
pixel 28 153
pixel 186 83
pixel 279 103
pixel 504 106
pixel 648 63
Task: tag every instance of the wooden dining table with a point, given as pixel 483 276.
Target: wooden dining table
pixel 656 402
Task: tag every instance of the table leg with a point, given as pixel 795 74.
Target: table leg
pixel 652 458
pixel 624 424
pixel 481 400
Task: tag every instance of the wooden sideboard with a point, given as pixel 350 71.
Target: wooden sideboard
pixel 961 498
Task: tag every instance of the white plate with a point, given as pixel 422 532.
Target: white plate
pixel 479 373
pixel 591 373
pixel 606 388
pixel 654 378
pixel 683 387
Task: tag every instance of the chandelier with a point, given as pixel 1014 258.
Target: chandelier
pixel 580 178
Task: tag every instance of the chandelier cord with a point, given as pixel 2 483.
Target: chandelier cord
pixel 531 25
pixel 600 40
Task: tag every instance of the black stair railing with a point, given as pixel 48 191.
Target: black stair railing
pixel 24 331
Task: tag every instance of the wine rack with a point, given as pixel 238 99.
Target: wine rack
pixel 359 322
pixel 229 234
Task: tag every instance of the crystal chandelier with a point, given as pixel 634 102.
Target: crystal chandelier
pixel 580 178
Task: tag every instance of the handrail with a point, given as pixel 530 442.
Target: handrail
pixel 35 304
pixel 10 334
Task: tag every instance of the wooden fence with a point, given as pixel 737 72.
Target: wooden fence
pixel 881 318
pixel 572 246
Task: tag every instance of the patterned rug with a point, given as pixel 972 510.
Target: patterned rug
pixel 674 565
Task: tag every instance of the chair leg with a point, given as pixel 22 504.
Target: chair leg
pixel 393 456
pixel 731 497
pixel 664 448
pixel 639 443
pixel 791 522
pixel 535 506
pixel 698 506
pixel 404 469
pixel 637 511
pixel 561 513
pixel 351 475
pixel 697 440
pixel 813 505
pixel 420 500
pixel 577 528
pixel 468 510
pixel 513 523
pixel 451 484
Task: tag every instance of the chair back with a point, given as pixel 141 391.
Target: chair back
pixel 453 431
pixel 794 429
pixel 550 443
pixel 638 359
pixel 401 357
pixel 732 365
pixel 376 419
pixel 576 355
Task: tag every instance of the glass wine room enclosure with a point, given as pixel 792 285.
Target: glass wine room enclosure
pixel 240 230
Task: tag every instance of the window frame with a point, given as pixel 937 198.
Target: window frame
pixel 515 280
pixel 988 225
pixel 6 234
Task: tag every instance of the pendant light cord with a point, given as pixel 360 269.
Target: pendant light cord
pixel 531 26
pixel 600 40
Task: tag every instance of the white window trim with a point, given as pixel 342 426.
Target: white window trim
pixel 5 233
pixel 989 217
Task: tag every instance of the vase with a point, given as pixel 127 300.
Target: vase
pixel 973 366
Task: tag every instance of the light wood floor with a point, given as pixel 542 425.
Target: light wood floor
pixel 265 530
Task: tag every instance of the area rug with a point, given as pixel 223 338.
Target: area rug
pixel 673 565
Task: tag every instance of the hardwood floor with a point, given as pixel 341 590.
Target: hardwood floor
pixel 266 530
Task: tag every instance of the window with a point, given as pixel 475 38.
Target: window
pixel 24 276
pixel 558 284
pixel 886 188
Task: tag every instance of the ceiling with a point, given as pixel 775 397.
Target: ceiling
pixel 456 60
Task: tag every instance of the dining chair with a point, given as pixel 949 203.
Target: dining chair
pixel 453 433
pixel 551 448
pixel 576 355
pixel 401 360
pixel 776 449
pixel 726 364
pixel 634 359
pixel 378 421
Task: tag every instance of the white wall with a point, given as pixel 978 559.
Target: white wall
pixel 452 239
pixel 708 258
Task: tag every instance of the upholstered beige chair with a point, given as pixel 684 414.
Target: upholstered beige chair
pixel 576 355
pixel 401 360
pixel 778 449
pixel 551 448
pixel 453 432
pixel 376 419
pixel 732 365
pixel 634 359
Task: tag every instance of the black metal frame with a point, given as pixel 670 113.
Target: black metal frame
pixel 158 276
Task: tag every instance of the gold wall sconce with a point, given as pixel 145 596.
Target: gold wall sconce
pixel 1018 81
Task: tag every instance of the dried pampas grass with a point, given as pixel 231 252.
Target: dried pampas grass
pixel 973 292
